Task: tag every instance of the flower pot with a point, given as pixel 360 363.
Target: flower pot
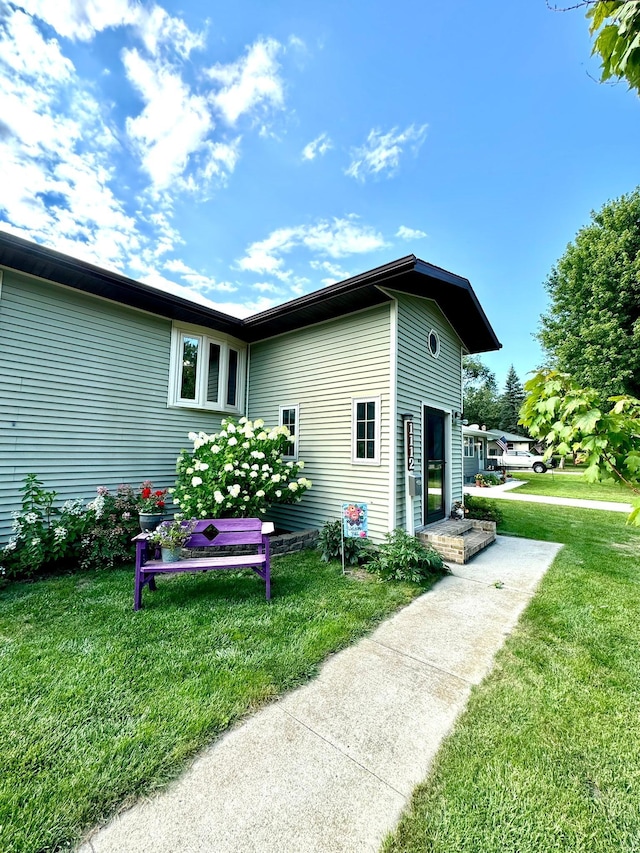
pixel 171 555
pixel 150 520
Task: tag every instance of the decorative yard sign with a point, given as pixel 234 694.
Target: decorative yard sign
pixel 409 445
pixel 355 523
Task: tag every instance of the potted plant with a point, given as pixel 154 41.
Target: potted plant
pixel 170 537
pixel 151 504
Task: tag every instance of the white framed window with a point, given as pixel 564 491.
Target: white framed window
pixel 365 430
pixel 290 417
pixel 433 343
pixel 468 447
pixel 207 370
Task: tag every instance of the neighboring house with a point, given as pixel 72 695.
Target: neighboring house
pixel 102 377
pixel 479 445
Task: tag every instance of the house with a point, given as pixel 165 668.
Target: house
pixel 480 444
pixel 102 378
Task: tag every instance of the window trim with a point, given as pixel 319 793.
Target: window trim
pixel 354 431
pixel 469 444
pixel 205 337
pixel 296 435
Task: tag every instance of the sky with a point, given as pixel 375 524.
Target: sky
pixel 243 154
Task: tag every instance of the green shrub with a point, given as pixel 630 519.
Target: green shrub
pixel 403 558
pixel 111 523
pixel 482 509
pixel 356 551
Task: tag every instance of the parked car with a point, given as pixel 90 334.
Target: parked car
pixel 523 459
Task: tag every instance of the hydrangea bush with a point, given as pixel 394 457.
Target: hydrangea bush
pixel 238 471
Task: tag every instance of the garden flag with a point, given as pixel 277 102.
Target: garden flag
pixel 354 521
pixel 502 444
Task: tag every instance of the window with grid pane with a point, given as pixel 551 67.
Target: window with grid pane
pixel 366 430
pixel 289 418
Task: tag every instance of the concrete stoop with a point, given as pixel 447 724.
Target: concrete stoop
pixel 458 540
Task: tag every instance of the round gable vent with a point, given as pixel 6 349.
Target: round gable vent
pixel 433 342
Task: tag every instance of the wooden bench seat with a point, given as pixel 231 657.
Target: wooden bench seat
pixel 221 533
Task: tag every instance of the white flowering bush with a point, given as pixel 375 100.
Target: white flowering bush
pixel 43 535
pixel 237 472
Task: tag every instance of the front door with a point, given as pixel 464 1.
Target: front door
pixel 434 465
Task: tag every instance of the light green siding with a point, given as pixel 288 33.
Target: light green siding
pixel 322 368
pixel 83 394
pixel 423 379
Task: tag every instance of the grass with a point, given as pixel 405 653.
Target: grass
pixel 547 755
pixel 562 485
pixel 99 704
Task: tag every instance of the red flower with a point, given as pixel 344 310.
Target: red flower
pixel 159 493
pixel 145 493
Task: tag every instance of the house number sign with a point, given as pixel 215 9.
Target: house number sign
pixel 409 446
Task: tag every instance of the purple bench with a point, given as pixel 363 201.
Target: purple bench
pixel 216 532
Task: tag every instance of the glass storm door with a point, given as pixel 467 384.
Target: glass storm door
pixel 434 465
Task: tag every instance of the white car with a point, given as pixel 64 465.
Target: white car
pixel 523 459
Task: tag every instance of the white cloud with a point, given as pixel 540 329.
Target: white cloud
pixel 198 281
pixel 336 273
pixel 319 146
pixel 337 238
pixel 81 20
pixel 382 151
pixel 267 287
pixel 251 82
pixel 410 233
pixel 174 122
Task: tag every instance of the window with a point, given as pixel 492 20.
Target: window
pixel 206 371
pixel 468 446
pixel 433 343
pixel 289 417
pixel 366 430
pixel 493 451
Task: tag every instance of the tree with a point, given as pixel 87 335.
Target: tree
pixel 511 402
pixel 480 393
pixel 569 419
pixel 592 329
pixel 616 26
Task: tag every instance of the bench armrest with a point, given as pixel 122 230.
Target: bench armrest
pixel 267 528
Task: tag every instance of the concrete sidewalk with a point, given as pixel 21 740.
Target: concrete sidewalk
pixel 506 492
pixel 330 767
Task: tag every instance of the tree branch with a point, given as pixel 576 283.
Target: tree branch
pixel 633 488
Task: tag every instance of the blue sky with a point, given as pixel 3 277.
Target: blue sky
pixel 243 154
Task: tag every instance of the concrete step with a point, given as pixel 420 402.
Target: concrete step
pixel 458 541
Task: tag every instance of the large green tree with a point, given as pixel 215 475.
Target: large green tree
pixel 511 402
pixel 481 399
pixel 592 328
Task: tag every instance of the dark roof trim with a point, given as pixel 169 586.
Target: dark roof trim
pixel 33 259
pixel 409 275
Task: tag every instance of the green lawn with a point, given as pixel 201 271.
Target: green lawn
pixel 561 485
pixel 547 755
pixel 99 704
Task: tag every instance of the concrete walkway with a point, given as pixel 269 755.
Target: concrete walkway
pixel 330 767
pixel 505 492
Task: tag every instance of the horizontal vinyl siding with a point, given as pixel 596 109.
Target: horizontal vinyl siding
pixel 423 378
pixel 83 394
pixel 321 369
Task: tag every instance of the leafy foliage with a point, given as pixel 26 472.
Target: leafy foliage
pixel 239 471
pixel 43 534
pixel 481 402
pixel 403 558
pixel 482 509
pixel 616 26
pixel 571 419
pixel 592 328
pixel 111 524
pixel 356 551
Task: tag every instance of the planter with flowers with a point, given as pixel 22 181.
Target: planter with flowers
pixel 151 505
pixel 170 537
